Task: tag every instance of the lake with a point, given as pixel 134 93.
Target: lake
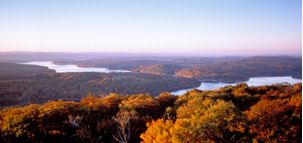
pixel 253 81
pixel 71 68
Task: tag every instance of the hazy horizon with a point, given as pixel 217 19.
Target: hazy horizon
pixel 186 28
pixel 153 54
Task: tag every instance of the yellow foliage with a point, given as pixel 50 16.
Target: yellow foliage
pixel 158 132
pixel 142 104
pixel 97 102
pixel 199 120
pixel 202 121
pixel 296 100
pixel 17 120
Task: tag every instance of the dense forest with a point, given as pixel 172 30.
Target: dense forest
pixel 230 114
pixel 38 84
pixel 39 105
pixel 230 70
pixel 206 69
pixel 14 71
pixel 219 69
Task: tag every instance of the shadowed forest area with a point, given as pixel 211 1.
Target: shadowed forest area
pixel 25 84
pixel 230 114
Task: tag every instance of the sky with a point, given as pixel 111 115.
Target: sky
pixel 198 27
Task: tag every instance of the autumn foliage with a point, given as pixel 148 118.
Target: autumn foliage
pixel 230 114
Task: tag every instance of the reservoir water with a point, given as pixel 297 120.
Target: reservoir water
pixel 253 81
pixel 71 68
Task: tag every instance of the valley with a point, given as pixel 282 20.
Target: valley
pixel 72 76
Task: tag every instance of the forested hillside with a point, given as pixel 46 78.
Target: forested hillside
pixel 24 84
pixel 230 114
pixel 219 69
pixel 233 69
pixel 73 86
pixel 13 71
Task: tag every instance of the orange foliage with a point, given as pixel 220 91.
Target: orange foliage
pixel 158 132
pixel 276 120
pixel 231 114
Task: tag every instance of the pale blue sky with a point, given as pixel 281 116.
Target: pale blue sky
pixel 200 27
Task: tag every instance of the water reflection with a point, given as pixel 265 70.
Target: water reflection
pixel 253 81
pixel 71 68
